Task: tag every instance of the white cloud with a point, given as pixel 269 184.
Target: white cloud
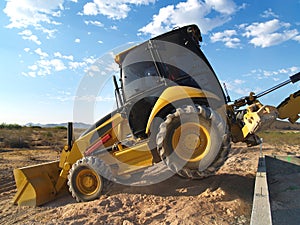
pixel 276 75
pixel 114 27
pixel 27 35
pixel 96 23
pixel 33 13
pixel 29 74
pixel 41 53
pixel 33 38
pixel 113 9
pixel 90 60
pixel 33 67
pixel 287 71
pixel 272 32
pixel 242 87
pixel 61 96
pixel 207 14
pixel 269 13
pixel 238 87
pixel 93 98
pixel 294 69
pixel 48 65
pixel 84 64
pixel 268 27
pixel 90 9
pixel 59 55
pixel 226 37
pixel 77 40
pixel 161 22
pixel 238 81
pixel 100 42
pixel 113 67
pixel 50 33
pixel 76 65
pixel 297 38
pixel 225 7
pixel 45 67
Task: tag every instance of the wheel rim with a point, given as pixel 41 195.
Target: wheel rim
pixel 191 141
pixel 88 181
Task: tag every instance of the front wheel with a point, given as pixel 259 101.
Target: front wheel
pixel 193 142
pixel 85 180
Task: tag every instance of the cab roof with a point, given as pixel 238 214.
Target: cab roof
pixel 176 36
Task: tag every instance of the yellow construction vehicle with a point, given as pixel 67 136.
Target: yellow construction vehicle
pixel 171 108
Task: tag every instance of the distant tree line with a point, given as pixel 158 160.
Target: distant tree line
pixel 10 126
pixel 17 126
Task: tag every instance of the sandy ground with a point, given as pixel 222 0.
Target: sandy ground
pixel 225 198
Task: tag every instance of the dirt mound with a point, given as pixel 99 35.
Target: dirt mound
pixel 221 199
pixel 284 125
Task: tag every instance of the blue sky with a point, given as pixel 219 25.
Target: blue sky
pixel 48 46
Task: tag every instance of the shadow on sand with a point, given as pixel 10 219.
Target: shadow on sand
pixel 235 186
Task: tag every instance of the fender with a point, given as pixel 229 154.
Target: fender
pixel 175 93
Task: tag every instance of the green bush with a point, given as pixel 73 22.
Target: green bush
pixel 49 134
pixel 60 128
pixel 27 137
pixel 17 143
pixel 280 137
pixel 36 127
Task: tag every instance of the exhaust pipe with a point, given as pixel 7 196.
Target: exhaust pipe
pixel 70 135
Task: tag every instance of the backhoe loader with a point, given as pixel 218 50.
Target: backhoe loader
pixel 171 108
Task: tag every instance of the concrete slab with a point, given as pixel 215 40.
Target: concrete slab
pixel 283 176
pixel 276 197
pixel 261 213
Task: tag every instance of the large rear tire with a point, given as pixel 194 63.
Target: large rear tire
pixel 193 142
pixel 86 178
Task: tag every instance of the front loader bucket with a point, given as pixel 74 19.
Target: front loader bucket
pixel 36 184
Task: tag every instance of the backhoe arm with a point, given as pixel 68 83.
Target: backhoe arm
pixel 290 108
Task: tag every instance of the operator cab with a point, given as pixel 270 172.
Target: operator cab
pixel 171 59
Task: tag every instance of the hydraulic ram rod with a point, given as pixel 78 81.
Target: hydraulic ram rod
pixel 294 78
pixel 251 98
